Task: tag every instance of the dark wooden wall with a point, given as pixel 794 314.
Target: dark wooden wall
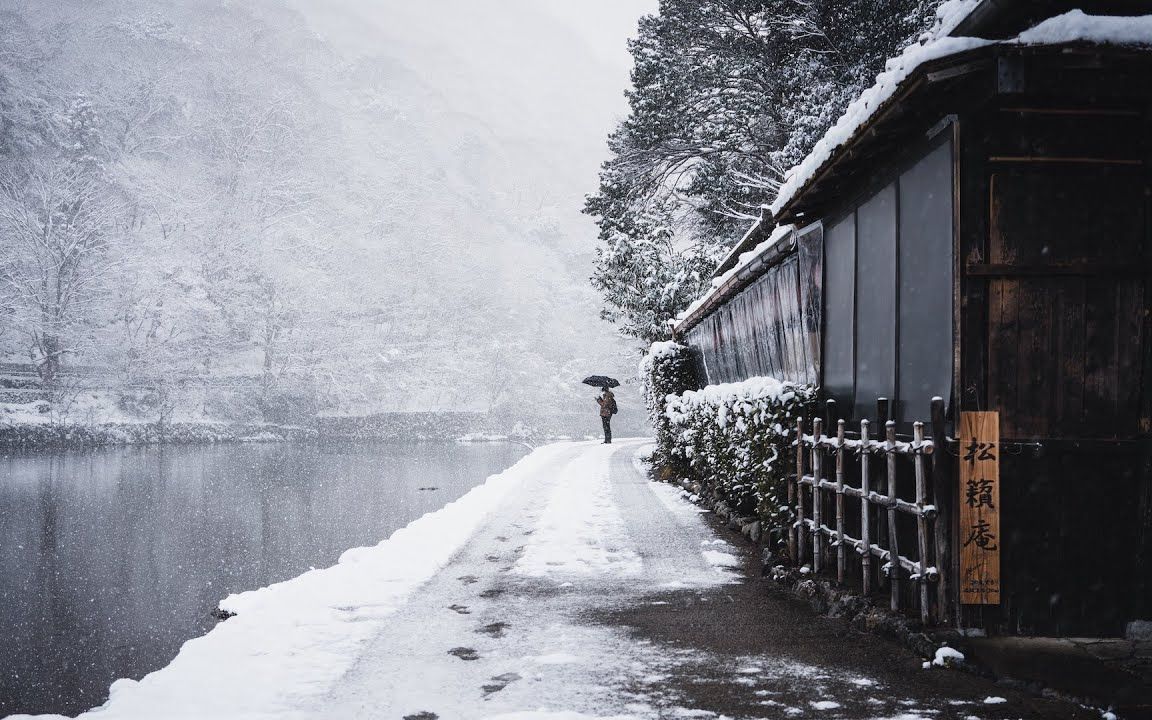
pixel 1055 260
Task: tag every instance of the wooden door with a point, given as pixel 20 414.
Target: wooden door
pixel 1066 301
pixel 1067 328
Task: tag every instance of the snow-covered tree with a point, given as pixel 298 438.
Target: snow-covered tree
pixel 57 211
pixel 727 95
pixel 646 277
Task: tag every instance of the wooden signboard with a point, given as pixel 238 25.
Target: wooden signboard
pixel 979 508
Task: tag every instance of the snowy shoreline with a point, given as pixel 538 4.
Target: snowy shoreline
pixel 56 436
pixel 303 634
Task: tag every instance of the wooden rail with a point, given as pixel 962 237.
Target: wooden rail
pixel 814 490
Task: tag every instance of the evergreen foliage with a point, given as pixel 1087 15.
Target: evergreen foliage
pixel 735 439
pixel 727 96
pixel 667 370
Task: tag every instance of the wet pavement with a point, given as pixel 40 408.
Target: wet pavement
pixel 596 593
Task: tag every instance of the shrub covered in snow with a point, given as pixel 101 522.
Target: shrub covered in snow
pixel 736 438
pixel 666 370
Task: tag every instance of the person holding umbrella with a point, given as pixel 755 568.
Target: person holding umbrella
pixel 606 401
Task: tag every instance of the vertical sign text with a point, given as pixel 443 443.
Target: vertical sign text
pixel 980 508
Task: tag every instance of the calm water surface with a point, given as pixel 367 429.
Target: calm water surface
pixel 111 559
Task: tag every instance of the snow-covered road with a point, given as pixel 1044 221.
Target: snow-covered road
pixel 568 587
pixel 503 629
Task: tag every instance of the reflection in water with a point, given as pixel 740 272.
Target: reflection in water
pixel 111 559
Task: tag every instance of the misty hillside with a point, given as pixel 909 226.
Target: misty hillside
pixel 345 205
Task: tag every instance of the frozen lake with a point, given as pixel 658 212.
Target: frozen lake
pixel 111 559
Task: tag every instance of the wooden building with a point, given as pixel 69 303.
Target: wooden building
pixel 982 233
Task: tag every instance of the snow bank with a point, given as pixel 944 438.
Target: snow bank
pixel 556 715
pixel 289 642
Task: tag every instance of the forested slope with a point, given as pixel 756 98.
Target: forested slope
pixel 344 209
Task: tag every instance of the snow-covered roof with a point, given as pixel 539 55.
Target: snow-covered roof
pixel 720 283
pixel 733 255
pixel 1073 27
pixel 1070 28
pixel 950 14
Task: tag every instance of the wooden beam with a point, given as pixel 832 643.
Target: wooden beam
pixel 1077 269
pixel 1074 160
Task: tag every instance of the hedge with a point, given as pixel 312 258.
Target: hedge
pixel 734 439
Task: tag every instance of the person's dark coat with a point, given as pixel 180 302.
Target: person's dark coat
pixel 605 402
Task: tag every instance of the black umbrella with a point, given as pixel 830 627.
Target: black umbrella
pixel 601 381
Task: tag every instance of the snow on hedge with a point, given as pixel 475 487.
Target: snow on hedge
pixel 734 439
pixel 734 402
pixel 289 642
pixel 661 351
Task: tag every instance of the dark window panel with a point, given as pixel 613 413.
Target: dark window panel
pixel 839 302
pixel 876 300
pixel 925 283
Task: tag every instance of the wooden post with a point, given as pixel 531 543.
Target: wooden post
pixel 882 415
pixel 883 411
pixel 830 413
pixel 942 499
pixel 795 492
pixel 921 521
pixel 841 558
pixel 817 473
pixel 893 538
pixel 865 509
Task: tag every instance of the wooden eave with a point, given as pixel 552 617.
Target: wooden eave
pixel 922 99
pixel 932 92
pixel 758 234
pixel 1002 19
pixel 935 90
pixel 742 279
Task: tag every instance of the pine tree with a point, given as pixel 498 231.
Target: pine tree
pixel 727 96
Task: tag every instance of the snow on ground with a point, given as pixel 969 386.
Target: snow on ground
pixel 290 641
pixel 581 529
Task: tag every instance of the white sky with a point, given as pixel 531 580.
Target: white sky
pixel 605 24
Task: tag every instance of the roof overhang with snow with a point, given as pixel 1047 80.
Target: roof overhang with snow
pixel 1003 19
pixel 918 94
